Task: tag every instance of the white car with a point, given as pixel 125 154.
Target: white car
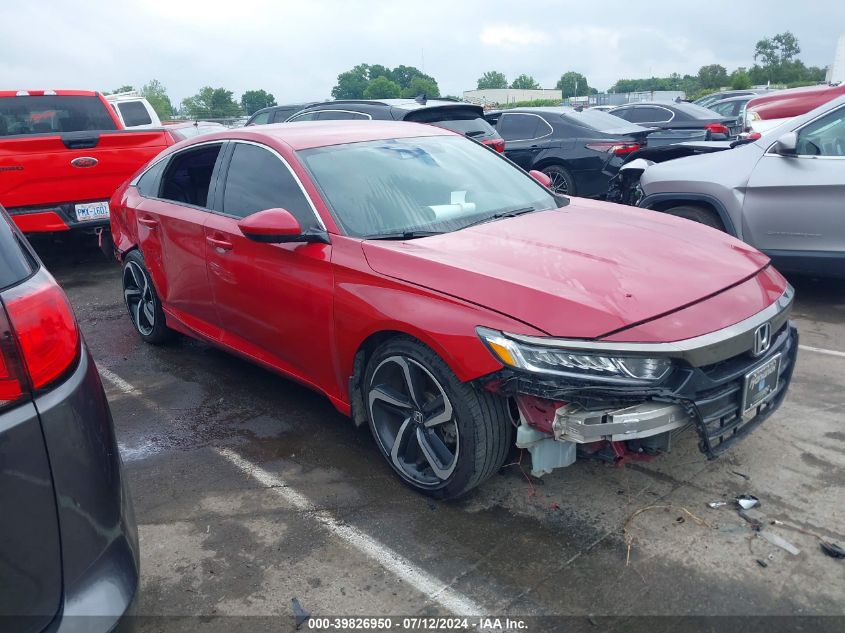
pixel 133 110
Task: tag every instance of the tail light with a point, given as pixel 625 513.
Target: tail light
pixel 617 149
pixel 11 377
pixel 497 144
pixel 717 128
pixel 45 329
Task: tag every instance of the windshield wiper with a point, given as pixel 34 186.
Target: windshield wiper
pixel 512 213
pixel 402 235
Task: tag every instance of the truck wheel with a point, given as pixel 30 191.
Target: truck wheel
pixel 697 214
pixel 142 301
pixel 441 436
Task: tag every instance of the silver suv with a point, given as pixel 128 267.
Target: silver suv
pixel 783 193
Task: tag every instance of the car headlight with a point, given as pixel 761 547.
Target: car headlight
pixel 576 363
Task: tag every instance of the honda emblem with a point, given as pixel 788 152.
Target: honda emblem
pixel 762 339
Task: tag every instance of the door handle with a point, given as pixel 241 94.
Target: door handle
pixel 223 245
pixel 148 222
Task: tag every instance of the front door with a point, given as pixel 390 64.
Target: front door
pixel 796 204
pixel 172 240
pixel 525 137
pixel 274 300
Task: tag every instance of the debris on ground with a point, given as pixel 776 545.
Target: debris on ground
pixel 762 563
pixel 755 524
pixel 629 538
pixel 778 541
pixel 743 475
pixel 831 549
pixel 746 502
pixel 300 615
pixel 717 504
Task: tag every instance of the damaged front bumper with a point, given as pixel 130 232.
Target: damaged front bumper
pixel 711 387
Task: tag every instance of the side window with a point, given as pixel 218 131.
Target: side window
pixel 134 113
pixel 148 184
pixel 518 127
pixel 651 115
pixel 258 180
pixel 188 175
pixel 340 115
pixel 305 116
pixel 280 116
pixel 824 137
pixel 261 119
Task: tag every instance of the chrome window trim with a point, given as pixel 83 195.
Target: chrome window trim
pixel 797 130
pixel 293 118
pixel 698 351
pixel 635 106
pixel 290 170
pixel 134 181
pixel 533 138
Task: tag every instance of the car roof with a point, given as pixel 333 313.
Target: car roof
pixel 402 104
pixel 311 134
pixel 48 93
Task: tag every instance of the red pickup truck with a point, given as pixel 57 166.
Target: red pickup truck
pixel 63 153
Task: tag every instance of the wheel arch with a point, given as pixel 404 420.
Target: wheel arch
pixel 663 201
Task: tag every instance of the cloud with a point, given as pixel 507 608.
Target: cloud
pixel 512 36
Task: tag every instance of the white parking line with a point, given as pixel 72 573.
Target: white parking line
pixel 821 350
pixel 436 590
pixel 433 588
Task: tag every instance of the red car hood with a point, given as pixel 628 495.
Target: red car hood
pixel 582 271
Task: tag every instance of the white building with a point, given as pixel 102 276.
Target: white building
pixel 502 96
pixel 836 71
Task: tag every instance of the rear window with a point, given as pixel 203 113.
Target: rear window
pixel 474 128
pixel 52 114
pixel 15 265
pixel 695 111
pixel 436 115
pixel 134 113
pixel 597 120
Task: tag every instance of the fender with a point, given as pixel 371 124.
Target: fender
pixel 649 201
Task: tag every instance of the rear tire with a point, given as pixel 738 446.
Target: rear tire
pixel 697 214
pixel 562 182
pixel 142 301
pixel 441 436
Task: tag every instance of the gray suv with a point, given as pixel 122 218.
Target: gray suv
pixel 783 193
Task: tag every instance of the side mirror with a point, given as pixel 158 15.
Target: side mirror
pixel 277 226
pixel 542 178
pixel 787 145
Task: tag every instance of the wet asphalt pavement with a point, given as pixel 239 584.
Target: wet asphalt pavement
pixel 220 538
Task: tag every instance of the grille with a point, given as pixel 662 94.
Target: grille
pixel 717 409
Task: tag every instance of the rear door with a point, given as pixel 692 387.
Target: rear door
pixel 526 135
pixel 797 203
pixel 30 559
pixel 274 300
pixel 170 223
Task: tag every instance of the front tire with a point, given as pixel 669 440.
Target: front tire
pixel 441 436
pixel 142 301
pixel 697 214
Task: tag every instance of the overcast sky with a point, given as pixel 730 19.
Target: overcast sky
pixel 296 49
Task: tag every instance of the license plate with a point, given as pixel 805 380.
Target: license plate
pixel 92 211
pixel 760 384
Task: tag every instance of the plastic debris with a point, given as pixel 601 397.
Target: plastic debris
pixel 762 563
pixel 717 504
pixel 782 543
pixel 754 523
pixel 743 475
pixel 832 549
pixel 746 502
pixel 300 615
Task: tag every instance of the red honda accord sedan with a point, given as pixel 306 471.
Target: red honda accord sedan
pixel 433 290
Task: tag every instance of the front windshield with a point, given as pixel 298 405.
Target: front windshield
pixel 425 184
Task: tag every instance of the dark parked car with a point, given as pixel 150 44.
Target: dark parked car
pixel 681 116
pixel 579 150
pixel 732 106
pixel 277 114
pixel 708 101
pixel 464 118
pixel 68 544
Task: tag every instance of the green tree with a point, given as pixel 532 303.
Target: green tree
pixel 211 103
pixel 740 79
pixel 124 88
pixel 712 76
pixel 777 56
pixel 382 88
pixel 572 84
pixel 254 100
pixel 352 83
pixel 525 82
pixel 405 75
pixel 492 79
pixel 156 94
pixel 421 86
